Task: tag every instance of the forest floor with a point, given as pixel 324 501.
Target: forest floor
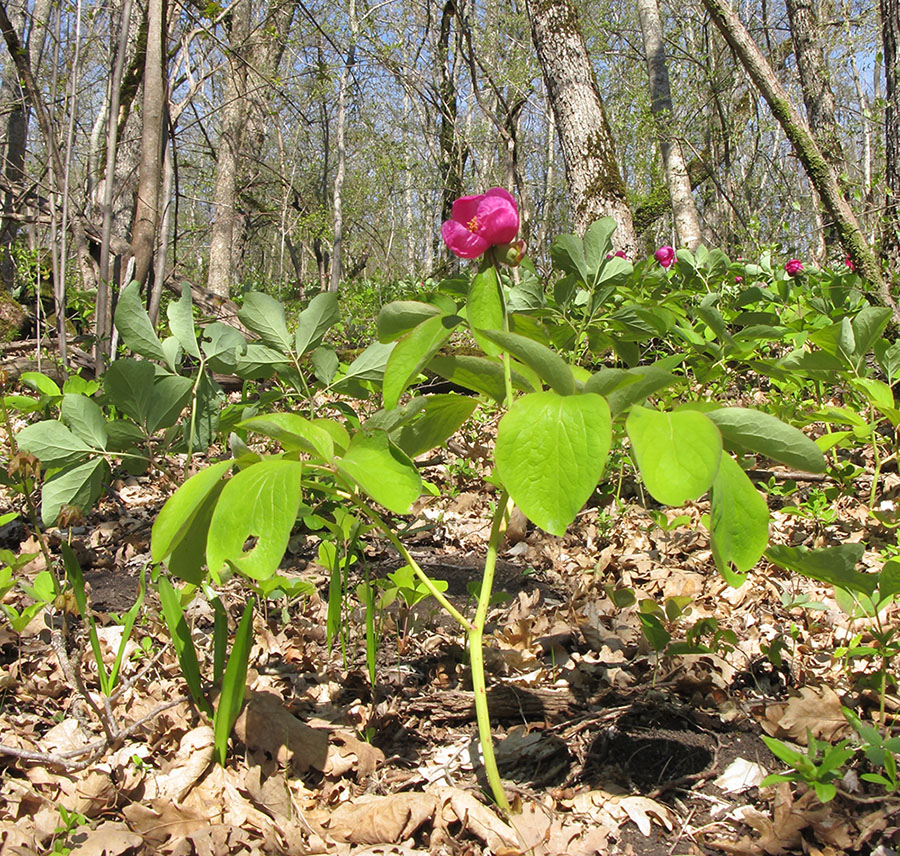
pixel 605 746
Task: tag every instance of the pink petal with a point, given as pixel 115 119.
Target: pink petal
pixel 498 218
pixel 503 194
pixel 465 244
pixel 465 208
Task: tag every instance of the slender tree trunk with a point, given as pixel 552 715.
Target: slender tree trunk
pixel 146 212
pixel 221 240
pixel 820 173
pixel 341 168
pixel 595 183
pixel 890 32
pixel 453 152
pixel 687 220
pixel 12 105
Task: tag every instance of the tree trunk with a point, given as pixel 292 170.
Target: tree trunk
pixel 12 154
pixel 890 32
pixel 453 153
pixel 234 111
pixel 687 220
pixel 595 184
pixel 820 173
pixel 146 211
pixel 341 168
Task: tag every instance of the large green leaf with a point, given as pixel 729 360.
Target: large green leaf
pixel 479 374
pixel 315 321
pixel 52 443
pixel 85 418
pixel 549 366
pixel 207 410
pixel 134 325
pixel 746 430
pixel 181 321
pixel 382 471
pixel 174 519
pixel 551 451
pixel 739 521
pixel 128 385
pixel 412 354
pixel 833 565
pixel 171 393
pixel 293 431
pixel 264 315
pixel 222 345
pixel 370 364
pixel 484 308
pixel 624 387
pixel 77 485
pixel 868 326
pixel 567 254
pixel 598 245
pixel 441 416
pixel 678 453
pixel 398 318
pixel 259 502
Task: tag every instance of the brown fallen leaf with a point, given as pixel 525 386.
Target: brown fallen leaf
pixel 195 754
pixel 816 710
pixel 109 839
pixel 348 752
pixel 381 820
pixel 265 725
pixel 476 818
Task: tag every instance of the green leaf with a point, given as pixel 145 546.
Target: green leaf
pixel 234 684
pixel 876 391
pixel 264 315
pixel 484 308
pixel 39 382
pixel 746 430
pixel 567 255
pixel 176 518
pixel 185 652
pixel 260 361
pixel 550 453
pixel 370 364
pixel 181 321
pixel 384 472
pixel 868 326
pixel 259 502
pixel 85 418
pixel 52 443
pixel 479 374
pixel 597 246
pixel 412 354
pixel 816 364
pixel 293 432
pixel 206 414
pixel 678 453
pixel 169 396
pixel 739 521
pixel 440 417
pixel 222 345
pixel 78 485
pixel 833 565
pixel 315 321
pixel 129 387
pixel 549 365
pixel 325 364
pixel 396 319
pixel 134 325
pixel 624 387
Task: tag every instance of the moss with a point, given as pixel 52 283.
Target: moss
pixel 12 318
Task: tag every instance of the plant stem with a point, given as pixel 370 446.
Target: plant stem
pixel 476 653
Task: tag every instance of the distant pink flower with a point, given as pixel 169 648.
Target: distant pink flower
pixel 849 262
pixel 618 253
pixel 480 222
pixel 793 267
pixel 739 279
pixel 665 256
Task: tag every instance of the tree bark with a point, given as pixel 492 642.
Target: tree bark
pixel 890 33
pixel 820 172
pixel 453 152
pixel 684 209
pixel 146 210
pixel 592 173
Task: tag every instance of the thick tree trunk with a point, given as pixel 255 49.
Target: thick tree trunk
pixel 12 155
pixel 687 220
pixel 820 173
pixel 146 210
pixel 595 184
pixel 890 30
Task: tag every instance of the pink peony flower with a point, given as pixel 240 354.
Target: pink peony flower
pixel 480 222
pixel 849 262
pixel 793 267
pixel 665 256
pixel 739 279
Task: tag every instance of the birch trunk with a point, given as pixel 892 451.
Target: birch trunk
pixel 684 209
pixel 595 183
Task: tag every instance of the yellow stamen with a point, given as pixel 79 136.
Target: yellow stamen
pixel 472 225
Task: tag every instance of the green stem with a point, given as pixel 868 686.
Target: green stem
pixel 417 570
pixel 507 367
pixel 476 653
